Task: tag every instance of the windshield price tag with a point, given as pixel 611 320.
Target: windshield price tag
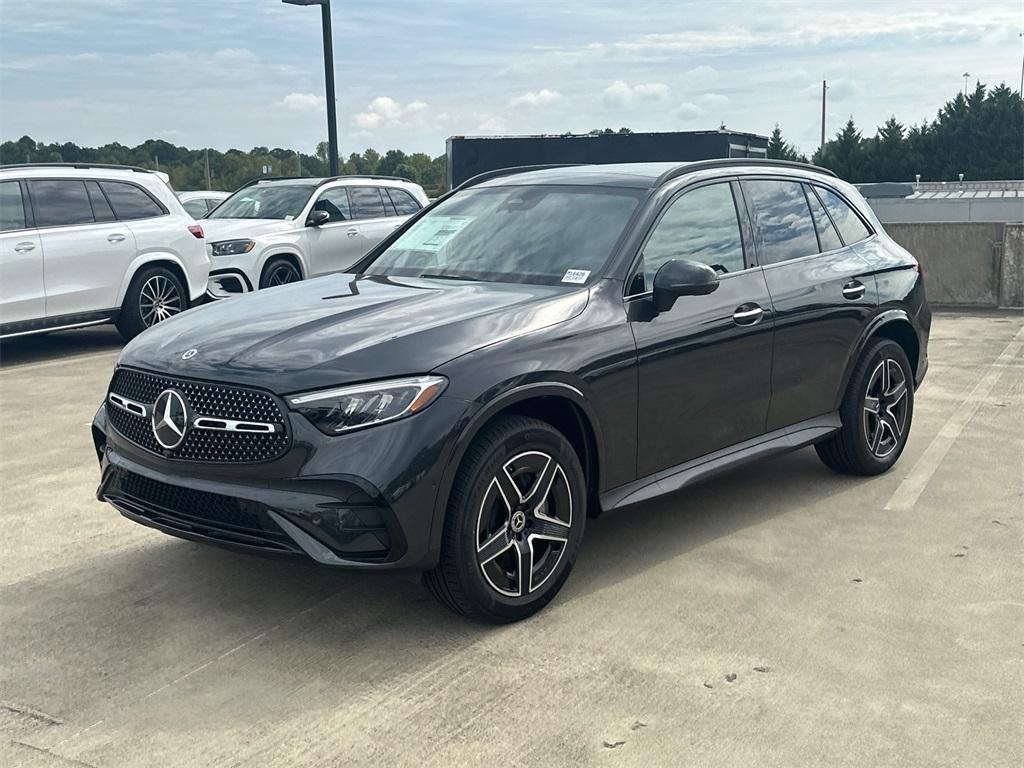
pixel 432 233
pixel 577 276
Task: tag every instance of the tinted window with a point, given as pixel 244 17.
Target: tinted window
pixel 129 201
pixel 12 211
pixel 100 207
pixel 782 220
pixel 827 235
pixel 195 208
pixel 850 225
pixel 700 226
pixel 335 202
pixel 405 204
pixel 58 202
pixel 545 234
pixel 367 203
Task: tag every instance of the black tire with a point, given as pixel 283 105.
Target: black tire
pixel 155 294
pixel 513 446
pixel 279 271
pixel 874 430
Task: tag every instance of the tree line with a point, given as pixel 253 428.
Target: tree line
pixel 980 135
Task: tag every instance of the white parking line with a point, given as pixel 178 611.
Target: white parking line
pixel 16 367
pixel 913 485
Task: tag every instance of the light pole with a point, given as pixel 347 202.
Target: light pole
pixel 332 118
pixel 965 76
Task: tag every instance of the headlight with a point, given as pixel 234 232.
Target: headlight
pixel 232 247
pixel 334 411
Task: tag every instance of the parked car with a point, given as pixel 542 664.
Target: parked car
pixel 88 244
pixel 537 347
pixel 198 204
pixel 276 231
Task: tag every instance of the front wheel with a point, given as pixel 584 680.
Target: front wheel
pixel 877 411
pixel 514 523
pixel 279 272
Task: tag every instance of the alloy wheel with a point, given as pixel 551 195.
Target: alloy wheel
pixel 523 523
pixel 282 274
pixel 885 408
pixel 159 299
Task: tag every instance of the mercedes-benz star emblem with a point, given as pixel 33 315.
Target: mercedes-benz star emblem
pixel 170 419
pixel 188 354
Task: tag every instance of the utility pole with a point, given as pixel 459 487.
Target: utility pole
pixel 209 186
pixel 965 76
pixel 824 87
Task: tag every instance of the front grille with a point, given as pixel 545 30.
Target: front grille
pixel 211 400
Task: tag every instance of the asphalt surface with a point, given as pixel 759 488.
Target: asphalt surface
pixel 781 615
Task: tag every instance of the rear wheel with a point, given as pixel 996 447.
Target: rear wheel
pixel 876 412
pixel 279 271
pixel 514 523
pixel 155 294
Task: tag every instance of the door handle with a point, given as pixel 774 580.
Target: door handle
pixel 854 290
pixel 747 314
pixel 25 247
pixel 352 232
pixel 117 237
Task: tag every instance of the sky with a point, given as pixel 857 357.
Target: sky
pixel 245 73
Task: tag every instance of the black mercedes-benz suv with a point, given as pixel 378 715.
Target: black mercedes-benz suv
pixel 536 347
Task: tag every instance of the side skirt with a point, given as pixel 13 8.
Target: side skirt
pixel 677 477
pixel 59 323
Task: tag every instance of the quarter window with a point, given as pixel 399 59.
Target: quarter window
pixel 782 221
pixel 827 235
pixel 130 202
pixel 367 202
pixel 405 204
pixel 12 209
pixel 335 202
pixel 60 202
pixel 701 226
pixel 849 223
pixel 100 207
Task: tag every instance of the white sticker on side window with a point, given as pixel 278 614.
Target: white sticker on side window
pixel 578 276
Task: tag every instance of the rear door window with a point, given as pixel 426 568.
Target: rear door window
pixel 12 209
pixel 101 210
pixel 405 204
pixel 850 225
pixel 60 202
pixel 367 203
pixel 131 202
pixel 827 235
pixel 782 222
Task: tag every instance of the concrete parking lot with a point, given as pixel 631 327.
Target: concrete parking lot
pixel 781 615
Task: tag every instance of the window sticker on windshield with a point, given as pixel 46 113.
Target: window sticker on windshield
pixel 576 276
pixel 432 233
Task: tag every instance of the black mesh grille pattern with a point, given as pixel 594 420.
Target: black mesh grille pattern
pixel 188 502
pixel 213 400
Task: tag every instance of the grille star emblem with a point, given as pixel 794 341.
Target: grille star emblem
pixel 170 419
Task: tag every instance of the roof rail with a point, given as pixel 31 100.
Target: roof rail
pixel 104 166
pixel 325 179
pixel 737 162
pixel 488 175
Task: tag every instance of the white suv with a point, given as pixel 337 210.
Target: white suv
pixel 86 244
pixel 275 231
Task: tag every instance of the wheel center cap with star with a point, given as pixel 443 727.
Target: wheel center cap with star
pixel 170 419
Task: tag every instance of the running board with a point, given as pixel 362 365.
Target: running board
pixel 675 478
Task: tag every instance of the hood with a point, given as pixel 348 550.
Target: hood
pixel 216 230
pixel 344 328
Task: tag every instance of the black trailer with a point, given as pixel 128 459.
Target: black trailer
pixel 470 155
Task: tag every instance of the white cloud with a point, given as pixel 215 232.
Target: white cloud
pixel 702 74
pixel 492 124
pixel 384 110
pixel 714 100
pixel 304 102
pixel 688 111
pixel 541 98
pixel 622 94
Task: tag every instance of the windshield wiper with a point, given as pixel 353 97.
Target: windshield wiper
pixel 451 277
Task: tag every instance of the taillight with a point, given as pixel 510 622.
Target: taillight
pixel 916 266
pixel 196 230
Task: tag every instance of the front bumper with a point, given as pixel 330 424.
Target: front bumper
pixel 366 500
pixel 225 283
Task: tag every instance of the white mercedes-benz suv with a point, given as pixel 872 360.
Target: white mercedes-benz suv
pixel 84 244
pixel 275 231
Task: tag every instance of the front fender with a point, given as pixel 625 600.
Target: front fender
pixel 195 287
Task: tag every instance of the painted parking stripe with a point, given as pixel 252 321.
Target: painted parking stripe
pixel 913 485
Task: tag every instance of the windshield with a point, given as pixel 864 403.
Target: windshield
pixel 530 234
pixel 277 201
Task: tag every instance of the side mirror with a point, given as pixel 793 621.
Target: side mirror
pixel 679 277
pixel 316 218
